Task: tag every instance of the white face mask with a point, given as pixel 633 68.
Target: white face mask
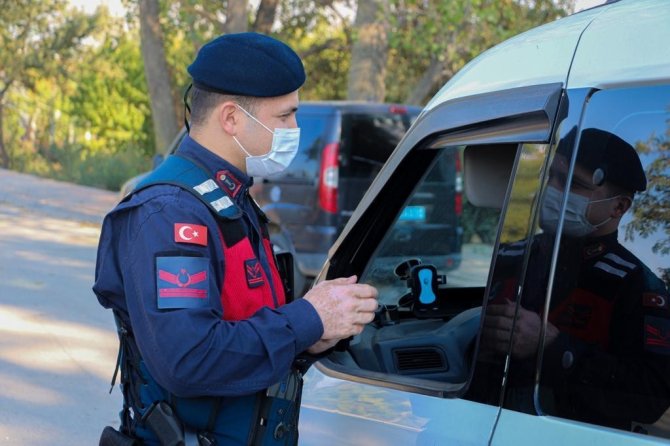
pixel 284 147
pixel 575 223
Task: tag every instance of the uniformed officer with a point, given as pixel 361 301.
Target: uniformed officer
pixel 209 345
pixel 606 353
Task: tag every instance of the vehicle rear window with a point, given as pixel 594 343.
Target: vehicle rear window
pixel 314 133
pixel 369 139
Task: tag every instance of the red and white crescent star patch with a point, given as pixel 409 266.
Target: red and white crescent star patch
pixel 654 300
pixel 190 233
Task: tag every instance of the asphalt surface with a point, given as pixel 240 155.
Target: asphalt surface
pixel 57 344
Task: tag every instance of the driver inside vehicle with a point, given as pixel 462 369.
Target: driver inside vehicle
pixel 605 358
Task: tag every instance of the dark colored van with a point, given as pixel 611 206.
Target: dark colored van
pixel 343 146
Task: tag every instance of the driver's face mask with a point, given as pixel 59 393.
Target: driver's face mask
pixel 575 223
pixel 284 147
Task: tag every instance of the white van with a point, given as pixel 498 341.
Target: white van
pixel 554 329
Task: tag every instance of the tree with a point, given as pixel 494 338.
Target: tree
pixel 163 111
pixel 237 18
pixel 431 41
pixel 369 54
pixel 37 39
pixel 265 16
pixel 651 208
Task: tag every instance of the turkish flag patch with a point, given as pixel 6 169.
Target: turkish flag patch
pixel 190 233
pixel 653 300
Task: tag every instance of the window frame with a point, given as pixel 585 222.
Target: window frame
pixel 520 115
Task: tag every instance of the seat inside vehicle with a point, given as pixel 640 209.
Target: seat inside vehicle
pixel 487 170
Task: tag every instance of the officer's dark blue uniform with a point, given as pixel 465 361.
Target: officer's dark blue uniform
pixel 198 298
pixel 609 363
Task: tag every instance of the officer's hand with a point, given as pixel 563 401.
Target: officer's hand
pixel 498 325
pixel 344 307
pixel 321 346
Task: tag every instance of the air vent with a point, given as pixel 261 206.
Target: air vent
pixel 420 360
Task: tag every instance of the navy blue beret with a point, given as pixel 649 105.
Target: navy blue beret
pixel 247 64
pixel 611 159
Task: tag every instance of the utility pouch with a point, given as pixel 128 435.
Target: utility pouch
pixel 112 437
pixel 279 411
pixel 160 418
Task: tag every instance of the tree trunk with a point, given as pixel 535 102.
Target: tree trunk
pixel 265 16
pixel 237 20
pixel 432 77
pixel 369 53
pixel 156 71
pixel 4 156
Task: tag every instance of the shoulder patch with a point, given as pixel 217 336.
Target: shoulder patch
pixel 182 282
pixel 190 233
pixel 619 261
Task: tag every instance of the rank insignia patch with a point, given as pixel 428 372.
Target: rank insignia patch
pixel 182 282
pixel 228 182
pixel 190 233
pixel 657 335
pixel 254 273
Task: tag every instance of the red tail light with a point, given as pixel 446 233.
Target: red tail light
pixel 458 187
pixel 329 177
pixel 458 203
pixel 398 110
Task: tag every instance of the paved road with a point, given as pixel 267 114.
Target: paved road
pixel 57 345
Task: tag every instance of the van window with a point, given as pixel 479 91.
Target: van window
pixel 606 359
pixel 435 341
pixel 510 260
pixel 368 139
pixel 315 129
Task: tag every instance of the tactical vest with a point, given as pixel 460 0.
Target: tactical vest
pixel 271 416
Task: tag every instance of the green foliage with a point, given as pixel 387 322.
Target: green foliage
pixel 114 106
pixel 445 35
pixel 76 92
pixel 325 54
pixel 651 208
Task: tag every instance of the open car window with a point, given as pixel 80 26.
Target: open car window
pixel 432 268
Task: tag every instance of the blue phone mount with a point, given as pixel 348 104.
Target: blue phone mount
pixel 422 280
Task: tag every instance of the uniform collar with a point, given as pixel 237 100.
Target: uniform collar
pixel 596 246
pixel 232 180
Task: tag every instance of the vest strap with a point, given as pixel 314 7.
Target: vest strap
pixel 183 172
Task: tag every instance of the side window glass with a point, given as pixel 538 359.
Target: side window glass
pixel 512 259
pixel 432 273
pixel 606 358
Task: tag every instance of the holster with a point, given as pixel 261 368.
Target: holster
pixel 161 419
pixel 112 437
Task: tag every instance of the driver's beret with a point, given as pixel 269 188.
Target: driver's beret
pixel 616 159
pixel 608 156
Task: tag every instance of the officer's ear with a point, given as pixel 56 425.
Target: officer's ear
pixel 623 203
pixel 229 117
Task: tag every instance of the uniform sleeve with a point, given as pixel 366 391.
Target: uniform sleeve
pixel 171 280
pixel 628 381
